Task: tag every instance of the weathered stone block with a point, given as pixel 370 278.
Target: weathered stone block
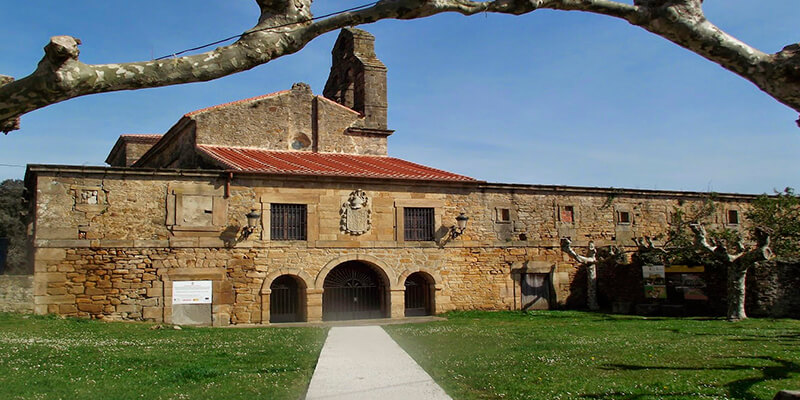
pixel 152 313
pixel 127 308
pixel 90 308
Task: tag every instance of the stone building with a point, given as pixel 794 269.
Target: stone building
pixel 287 207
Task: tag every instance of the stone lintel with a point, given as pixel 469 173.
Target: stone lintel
pixel 194 274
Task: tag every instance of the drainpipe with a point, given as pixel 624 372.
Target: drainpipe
pixel 228 185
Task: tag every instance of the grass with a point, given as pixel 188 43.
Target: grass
pixel 53 358
pixel 574 355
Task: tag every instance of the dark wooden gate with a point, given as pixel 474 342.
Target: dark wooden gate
pixel 535 291
pixel 352 291
pixel 418 295
pixel 284 300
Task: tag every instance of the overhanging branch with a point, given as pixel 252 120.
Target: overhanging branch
pixel 285 26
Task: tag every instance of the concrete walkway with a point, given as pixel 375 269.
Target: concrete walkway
pixel 363 362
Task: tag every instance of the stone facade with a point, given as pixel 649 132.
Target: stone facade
pixel 117 258
pixel 111 243
pixel 16 293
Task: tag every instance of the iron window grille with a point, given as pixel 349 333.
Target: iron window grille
pixel 418 224
pixel 288 222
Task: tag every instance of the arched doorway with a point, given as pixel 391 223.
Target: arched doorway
pixel 285 302
pixel 353 290
pixel 419 295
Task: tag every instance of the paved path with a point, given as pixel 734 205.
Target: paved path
pixel 363 362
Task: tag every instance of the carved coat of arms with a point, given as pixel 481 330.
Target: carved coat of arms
pixel 356 213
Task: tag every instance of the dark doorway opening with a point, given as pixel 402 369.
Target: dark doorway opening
pixel 285 304
pixel 419 295
pixel 535 291
pixel 353 290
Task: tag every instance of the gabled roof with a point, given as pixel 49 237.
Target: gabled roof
pixel 223 105
pixel 140 137
pixel 324 164
pixel 124 139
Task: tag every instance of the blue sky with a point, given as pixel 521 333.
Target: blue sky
pixel 545 98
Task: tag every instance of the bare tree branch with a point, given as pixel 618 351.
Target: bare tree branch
pixel 286 26
pixel 736 265
pixel 590 258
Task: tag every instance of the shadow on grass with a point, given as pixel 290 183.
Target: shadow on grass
pixel 629 396
pixel 790 338
pixel 740 388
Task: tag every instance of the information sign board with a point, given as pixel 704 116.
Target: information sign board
pixel 191 292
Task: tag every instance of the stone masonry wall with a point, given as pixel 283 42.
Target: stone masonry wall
pixel 16 293
pixel 108 247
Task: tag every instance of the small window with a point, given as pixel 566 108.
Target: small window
pixel 733 217
pixel 288 222
pixel 624 217
pixel 568 214
pixel 503 215
pixel 418 223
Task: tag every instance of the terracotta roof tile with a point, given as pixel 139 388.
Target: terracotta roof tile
pixel 325 164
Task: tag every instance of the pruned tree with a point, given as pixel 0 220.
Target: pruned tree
pixel 780 215
pixel 286 26
pixel 648 252
pixel 737 260
pixel 589 262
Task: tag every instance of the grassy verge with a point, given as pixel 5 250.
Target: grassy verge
pixel 573 355
pixel 51 358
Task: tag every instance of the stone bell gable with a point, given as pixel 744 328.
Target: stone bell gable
pixel 358 78
pixel 349 119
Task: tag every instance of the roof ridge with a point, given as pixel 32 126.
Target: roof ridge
pixel 230 103
pixel 287 162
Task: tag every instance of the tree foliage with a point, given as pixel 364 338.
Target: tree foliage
pixel 12 223
pixel 779 215
pixel 680 243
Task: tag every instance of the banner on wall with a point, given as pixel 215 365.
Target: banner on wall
pixel 655 282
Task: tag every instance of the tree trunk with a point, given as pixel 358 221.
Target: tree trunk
pixel 737 273
pixel 591 287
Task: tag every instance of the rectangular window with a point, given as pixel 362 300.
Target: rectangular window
pixel 624 218
pixel 568 214
pixel 733 217
pixel 503 215
pixel 418 223
pixel 287 222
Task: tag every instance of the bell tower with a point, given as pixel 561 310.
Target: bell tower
pixel 358 78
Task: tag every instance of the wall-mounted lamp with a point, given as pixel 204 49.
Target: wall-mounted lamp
pixel 461 225
pixel 252 222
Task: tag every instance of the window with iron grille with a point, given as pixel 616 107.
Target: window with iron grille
pixel 287 222
pixel 418 223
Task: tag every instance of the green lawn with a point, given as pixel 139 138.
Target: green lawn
pixel 52 358
pixel 574 355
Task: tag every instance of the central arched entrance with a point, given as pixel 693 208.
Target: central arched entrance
pixel 353 290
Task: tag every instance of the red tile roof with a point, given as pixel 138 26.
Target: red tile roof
pixel 325 164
